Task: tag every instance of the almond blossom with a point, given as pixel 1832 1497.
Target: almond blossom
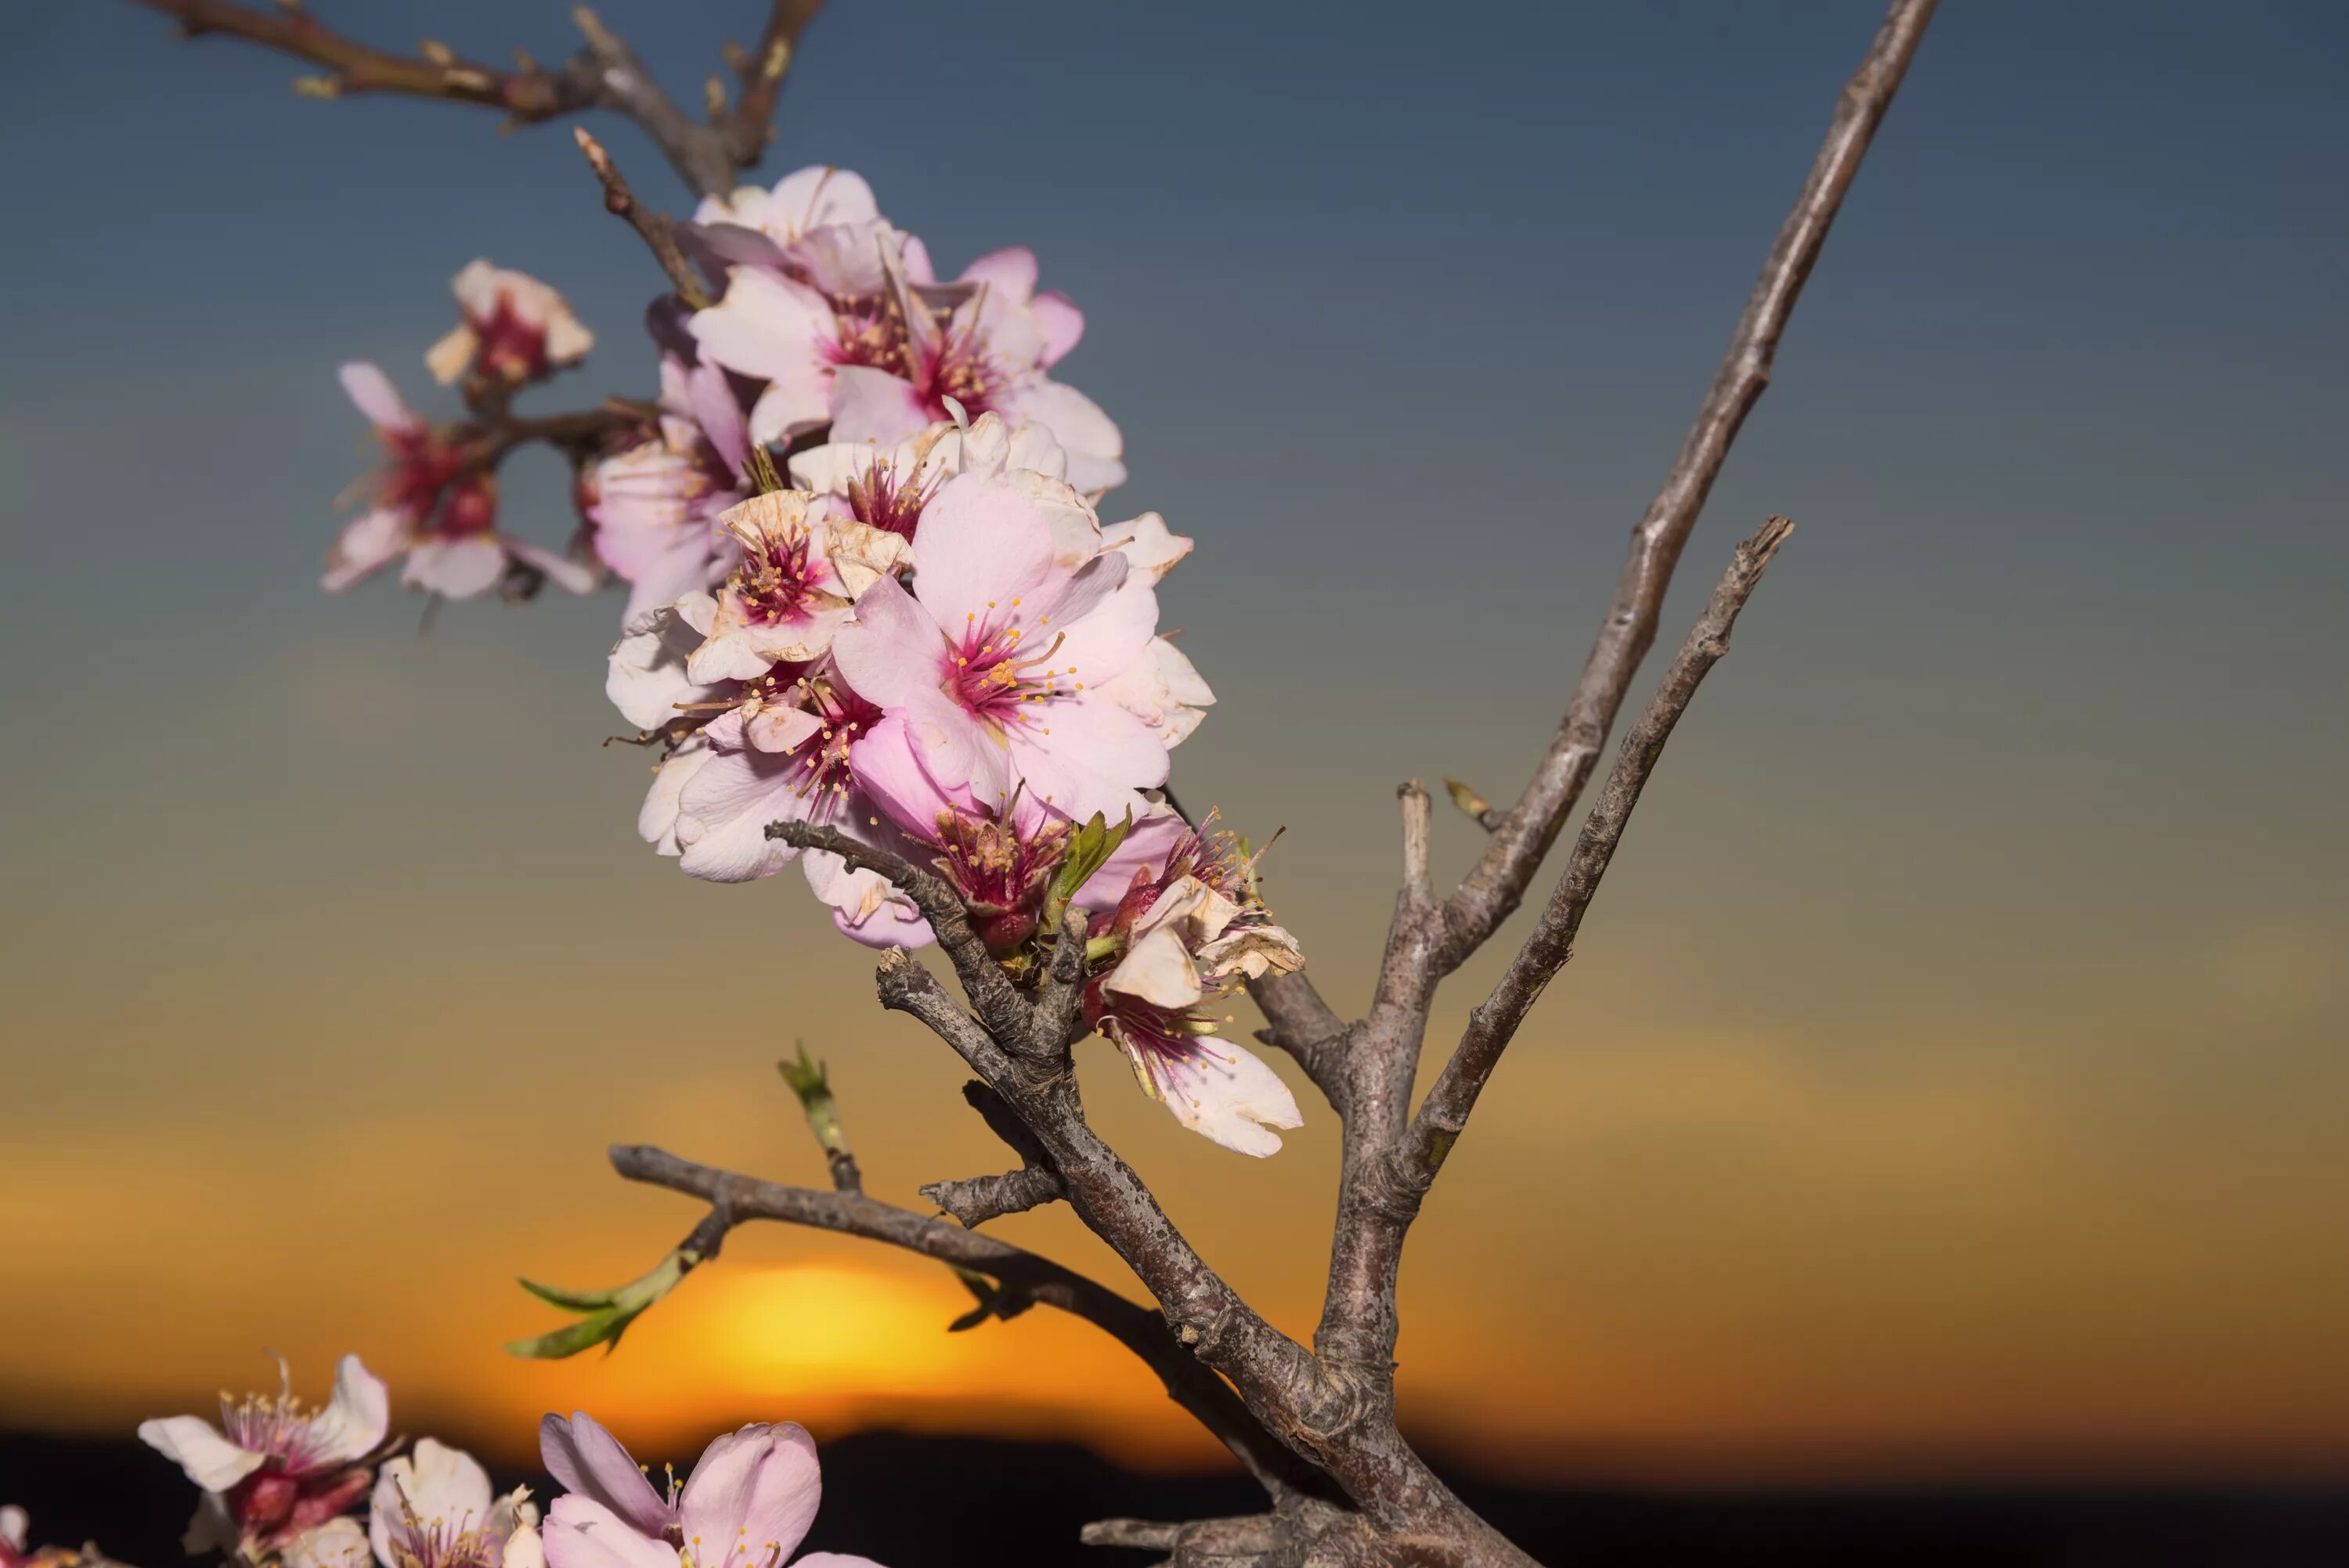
pixel 748 1502
pixel 433 1509
pixel 1193 931
pixel 800 570
pixel 433 507
pixel 818 226
pixel 999 658
pixel 14 1527
pixel 843 317
pixel 274 1467
pixel 514 329
pixel 655 506
pixel 985 343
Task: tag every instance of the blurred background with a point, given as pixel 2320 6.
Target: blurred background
pixel 1946 1099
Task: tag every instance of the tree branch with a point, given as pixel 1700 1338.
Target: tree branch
pixel 1494 1023
pixel 1493 890
pixel 762 72
pixel 605 73
pixel 1007 1014
pixel 654 227
pixel 974 1200
pixel 1142 1331
pixel 1379 1184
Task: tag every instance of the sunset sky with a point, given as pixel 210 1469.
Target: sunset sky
pixel 1950 1080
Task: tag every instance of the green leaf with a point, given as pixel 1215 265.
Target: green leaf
pixel 570 1300
pixel 1090 847
pixel 607 1313
pixel 595 1329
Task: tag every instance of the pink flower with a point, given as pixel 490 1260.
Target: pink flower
pixel 797 759
pixel 985 343
pixel 514 329
pixel 433 507
pixel 655 506
pixel 1189 932
pixel 747 1503
pixel 434 1511
pixel 794 337
pixel 887 486
pixel 274 1467
pixel 819 226
pixel 997 660
pixel 14 1528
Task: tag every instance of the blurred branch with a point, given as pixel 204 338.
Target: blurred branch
pixel 603 73
pixel 654 227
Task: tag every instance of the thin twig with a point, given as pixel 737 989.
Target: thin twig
pixel 1378 1191
pixel 621 202
pixel 974 1200
pixel 1494 887
pixel 1547 948
pixel 762 71
pixel 604 74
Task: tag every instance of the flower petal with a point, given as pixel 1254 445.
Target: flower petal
pixel 723 812
pixel 1010 272
pixel 1225 1094
pixel 591 1464
pixel 337 1543
pixel 1158 969
pixel 760 1484
pixel 891 651
pixel 377 398
pixel 456 568
pixel 354 1420
pixel 368 542
pixel 1095 445
pixel 979 545
pixel 870 405
pixel 574 576
pixel 1061 323
pixel 437 1485
pixel 581 1533
pixel 209 1459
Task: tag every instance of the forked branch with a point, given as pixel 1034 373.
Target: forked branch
pixel 603 73
pixel 1493 1022
pixel 734 1198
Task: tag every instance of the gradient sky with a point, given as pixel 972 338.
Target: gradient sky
pixel 1949 1077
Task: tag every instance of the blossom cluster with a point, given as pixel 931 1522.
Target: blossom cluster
pixel 281 1481
pixel 871 588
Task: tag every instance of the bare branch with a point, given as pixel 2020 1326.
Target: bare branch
pixel 1005 1012
pixel 1494 887
pixel 1417 825
pixel 1058 1004
pixel 762 71
pixel 1379 1184
pixel 604 74
pixel 1142 1331
pixel 655 227
pixel 983 1198
pixel 974 1200
pixel 1308 1029
pixel 1495 1022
